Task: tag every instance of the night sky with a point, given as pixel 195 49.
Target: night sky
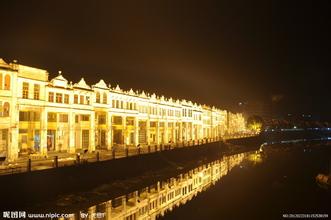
pixel 214 52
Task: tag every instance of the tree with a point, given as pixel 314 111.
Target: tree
pixel 255 123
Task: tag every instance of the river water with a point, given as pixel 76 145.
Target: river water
pixel 280 184
pixel 274 183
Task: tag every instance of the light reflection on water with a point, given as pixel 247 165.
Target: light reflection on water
pixel 155 200
pixel 285 182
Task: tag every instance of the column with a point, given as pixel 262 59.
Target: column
pixel 91 210
pixel 124 133
pixel 109 131
pixel 12 151
pixel 191 131
pixel 92 133
pixel 136 197
pixel 186 131
pixel 108 209
pixel 157 132
pixel 194 131
pixel 124 203
pixel 72 132
pixel 165 135
pixel 148 131
pixel 200 132
pixel 136 131
pixel 12 145
pixel 173 130
pixel 180 132
pixel 43 132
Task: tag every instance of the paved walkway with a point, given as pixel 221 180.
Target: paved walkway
pixel 33 162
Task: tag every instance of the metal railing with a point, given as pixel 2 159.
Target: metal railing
pixel 56 161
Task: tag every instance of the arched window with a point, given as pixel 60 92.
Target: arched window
pixel 98 97
pixel 7 82
pixel 0 80
pixel 104 98
pixel 6 109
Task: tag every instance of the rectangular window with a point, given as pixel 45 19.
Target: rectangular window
pixel 81 99
pixel 59 97
pixel 25 94
pixel 63 118
pixel 4 134
pixel 24 116
pixel 66 98
pixel 102 119
pixel 75 99
pixel 85 117
pixel 129 121
pixel 97 97
pixel 36 91
pixel 87 100
pixel 104 98
pixel 51 117
pixel 51 96
pixel 34 116
pixel 29 116
pixel 23 131
pixel 117 120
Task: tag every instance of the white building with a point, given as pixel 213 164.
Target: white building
pixel 38 115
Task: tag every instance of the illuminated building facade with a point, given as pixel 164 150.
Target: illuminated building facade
pixel 42 115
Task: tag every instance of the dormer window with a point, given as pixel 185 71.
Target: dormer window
pixel 66 98
pixel 59 97
pixel 25 91
pixel 75 99
pixel 51 96
pixel 7 82
pixel 6 108
pixel 81 99
pixel 59 81
pixel 104 101
pixel 36 91
pixel 97 97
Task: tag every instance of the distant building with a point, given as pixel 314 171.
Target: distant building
pixel 38 115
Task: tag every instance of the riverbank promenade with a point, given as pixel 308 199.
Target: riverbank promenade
pixel 32 162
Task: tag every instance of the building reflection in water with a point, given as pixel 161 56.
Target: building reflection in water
pixel 155 200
